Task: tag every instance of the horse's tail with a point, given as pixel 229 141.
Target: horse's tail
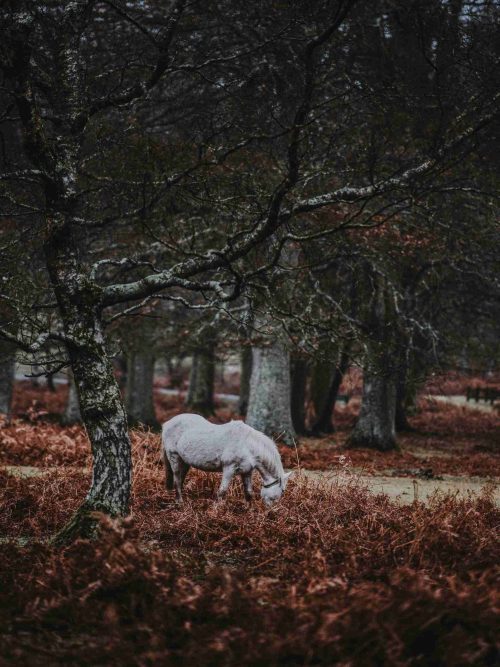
pixel 169 473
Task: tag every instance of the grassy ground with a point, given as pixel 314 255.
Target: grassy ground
pixel 332 575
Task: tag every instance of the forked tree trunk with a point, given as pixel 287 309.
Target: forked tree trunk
pixel 324 414
pixel 200 396
pixel 269 402
pixel 375 427
pixel 245 375
pixel 7 370
pixel 139 400
pixel 298 398
pixel 100 401
pixel 78 296
pixel 72 414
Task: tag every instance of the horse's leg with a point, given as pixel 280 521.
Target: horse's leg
pixel 183 472
pixel 246 478
pixel 169 474
pixel 179 470
pixel 228 473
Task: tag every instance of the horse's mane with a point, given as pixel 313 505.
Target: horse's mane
pixel 267 452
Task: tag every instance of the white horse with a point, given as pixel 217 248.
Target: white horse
pixel 233 448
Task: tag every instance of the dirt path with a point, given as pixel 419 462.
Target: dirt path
pixel 462 402
pixel 405 490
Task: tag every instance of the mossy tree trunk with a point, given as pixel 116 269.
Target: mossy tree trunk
pixel 139 399
pixel 200 396
pixel 57 154
pixel 99 396
pixel 270 392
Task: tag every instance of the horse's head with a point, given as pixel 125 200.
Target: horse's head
pixel 273 491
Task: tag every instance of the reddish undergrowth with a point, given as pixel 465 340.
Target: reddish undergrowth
pixel 328 576
pixel 446 440
pixel 455 383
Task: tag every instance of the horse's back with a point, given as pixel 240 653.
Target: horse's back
pixel 182 422
pixel 205 445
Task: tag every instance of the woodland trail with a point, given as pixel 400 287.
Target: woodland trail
pixel 403 490
pixel 461 402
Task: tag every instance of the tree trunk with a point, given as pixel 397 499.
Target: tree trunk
pixel 404 397
pixel 245 375
pixel 375 427
pixel 78 296
pixel 100 401
pixel 298 397
pixel 120 364
pixel 51 386
pixel 200 396
pixel 401 418
pixel 139 400
pixel 72 413
pixel 7 370
pixel 321 378
pixel 269 401
pixel 324 416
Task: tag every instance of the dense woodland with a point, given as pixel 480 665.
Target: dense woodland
pixel 279 212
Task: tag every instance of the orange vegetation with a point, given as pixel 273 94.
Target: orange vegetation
pixel 328 576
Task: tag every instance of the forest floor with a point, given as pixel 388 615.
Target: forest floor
pixel 337 573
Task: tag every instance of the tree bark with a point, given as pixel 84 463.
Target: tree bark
pixel 375 427
pixel 100 401
pixel 245 375
pixel 269 401
pixel 324 416
pixel 405 396
pixel 200 396
pixel 72 414
pixel 321 380
pixel 139 401
pixel 7 370
pixel 298 395
pixel 51 386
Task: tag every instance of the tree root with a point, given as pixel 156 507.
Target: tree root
pixel 85 524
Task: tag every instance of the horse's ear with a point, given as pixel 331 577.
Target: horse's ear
pixel 288 474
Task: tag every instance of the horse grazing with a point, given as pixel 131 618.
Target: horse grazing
pixel 233 448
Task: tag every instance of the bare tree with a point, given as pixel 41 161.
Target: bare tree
pixel 93 87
